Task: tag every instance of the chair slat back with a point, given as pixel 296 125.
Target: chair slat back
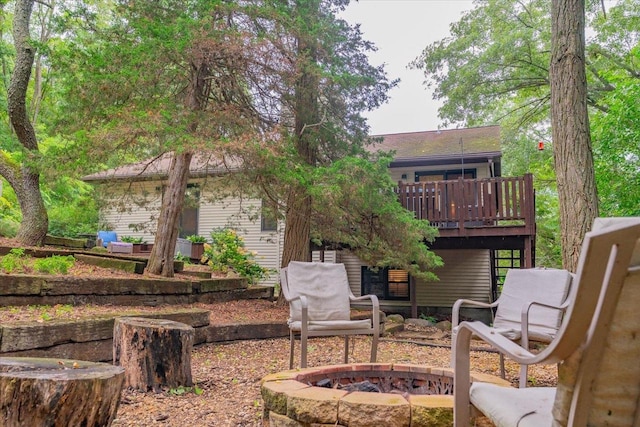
pixel 548 286
pixel 326 287
pixel 603 386
pixel 602 266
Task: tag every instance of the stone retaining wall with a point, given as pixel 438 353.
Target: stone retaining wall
pixel 92 339
pixel 51 290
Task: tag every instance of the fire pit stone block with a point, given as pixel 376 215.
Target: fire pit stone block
pixel 314 405
pixel 374 409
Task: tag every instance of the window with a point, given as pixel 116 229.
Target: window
pixel 268 219
pixel 188 222
pixel 445 175
pixel 386 283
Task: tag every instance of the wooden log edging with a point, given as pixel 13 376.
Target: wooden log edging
pixel 57 393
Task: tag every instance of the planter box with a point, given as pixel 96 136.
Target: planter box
pixel 120 247
pixel 197 250
pixel 142 247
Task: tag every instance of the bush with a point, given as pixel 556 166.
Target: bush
pixel 15 260
pixel 54 264
pixel 227 254
pixel 131 239
pixel 8 227
pixel 194 238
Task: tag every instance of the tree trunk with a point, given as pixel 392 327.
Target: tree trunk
pixel 155 353
pixel 299 204
pixel 35 221
pixel 58 393
pixel 297 232
pixel 297 229
pixel 25 181
pixel 573 157
pixel 570 126
pixel 162 254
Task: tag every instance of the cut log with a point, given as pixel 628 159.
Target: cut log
pixel 155 353
pixel 58 392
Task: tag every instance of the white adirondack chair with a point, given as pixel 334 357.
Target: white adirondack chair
pixel 598 345
pixel 530 308
pixel 320 305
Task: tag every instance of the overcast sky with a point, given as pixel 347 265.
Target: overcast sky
pixel 401 29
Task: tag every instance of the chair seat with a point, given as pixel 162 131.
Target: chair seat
pixel 527 407
pixel 323 325
pixel 514 334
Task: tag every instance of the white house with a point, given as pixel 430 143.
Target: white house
pixel 448 177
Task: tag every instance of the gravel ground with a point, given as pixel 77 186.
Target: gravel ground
pixel 228 375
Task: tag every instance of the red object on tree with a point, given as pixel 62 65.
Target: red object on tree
pixel 540 145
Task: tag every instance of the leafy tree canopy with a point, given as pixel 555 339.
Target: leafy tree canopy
pixel 495 68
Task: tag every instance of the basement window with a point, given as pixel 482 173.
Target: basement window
pixel 386 283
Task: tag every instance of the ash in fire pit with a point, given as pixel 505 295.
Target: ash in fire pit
pixel 383 381
pixel 365 386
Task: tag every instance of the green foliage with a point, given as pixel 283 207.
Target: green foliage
pixel 14 261
pixel 8 227
pixel 494 62
pixel 494 68
pixel 227 254
pixel 55 264
pixel 9 211
pixel 430 319
pixel 355 206
pixel 616 138
pixel 196 239
pixel 131 239
pixel 71 207
pixel 183 258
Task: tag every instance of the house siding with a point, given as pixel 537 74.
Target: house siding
pixel 465 274
pixel 227 212
pixel 236 213
pixel 131 209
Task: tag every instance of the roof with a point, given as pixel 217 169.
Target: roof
pixel 436 147
pixel 442 146
pixel 158 168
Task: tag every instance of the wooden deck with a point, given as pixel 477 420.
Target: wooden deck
pixel 474 207
pixel 493 213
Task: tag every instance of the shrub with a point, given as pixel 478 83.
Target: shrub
pixel 227 254
pixel 15 260
pixel 54 264
pixel 131 239
pixel 194 238
pixel 8 227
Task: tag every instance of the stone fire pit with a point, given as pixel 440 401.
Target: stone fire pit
pixel 364 394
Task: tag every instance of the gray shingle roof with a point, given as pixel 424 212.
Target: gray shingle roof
pixel 428 147
pixel 451 142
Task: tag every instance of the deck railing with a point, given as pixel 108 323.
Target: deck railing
pixel 472 203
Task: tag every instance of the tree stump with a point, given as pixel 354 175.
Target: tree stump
pixel 155 353
pixel 58 392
